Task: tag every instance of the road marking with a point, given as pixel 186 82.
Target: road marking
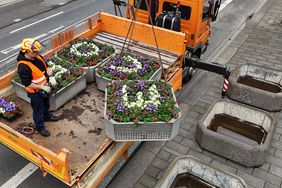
pixel 37 22
pixel 223 5
pixel 54 30
pixel 17 20
pixel 22 175
pixel 4 3
pixel 10 49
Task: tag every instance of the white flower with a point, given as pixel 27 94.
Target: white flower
pixel 140 102
pixel 2 110
pixel 74 49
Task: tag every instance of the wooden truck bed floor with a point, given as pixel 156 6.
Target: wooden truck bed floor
pixel 80 129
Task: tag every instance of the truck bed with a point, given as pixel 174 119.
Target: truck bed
pixel 80 128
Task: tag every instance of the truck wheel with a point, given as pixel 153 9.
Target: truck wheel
pixel 216 10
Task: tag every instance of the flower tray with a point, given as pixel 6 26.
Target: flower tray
pixel 103 81
pixel 59 98
pixel 143 131
pixel 90 70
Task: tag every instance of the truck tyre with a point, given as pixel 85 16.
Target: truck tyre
pixel 216 10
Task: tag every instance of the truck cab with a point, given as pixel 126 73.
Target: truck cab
pixel 196 17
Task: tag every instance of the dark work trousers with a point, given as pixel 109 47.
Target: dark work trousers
pixel 40 107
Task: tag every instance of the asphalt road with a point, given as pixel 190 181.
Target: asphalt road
pixel 231 19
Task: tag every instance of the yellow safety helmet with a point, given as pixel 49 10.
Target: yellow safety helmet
pixel 31 45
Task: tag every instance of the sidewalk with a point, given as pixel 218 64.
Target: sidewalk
pixel 259 43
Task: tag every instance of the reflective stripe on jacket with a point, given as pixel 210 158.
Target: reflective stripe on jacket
pixel 38 76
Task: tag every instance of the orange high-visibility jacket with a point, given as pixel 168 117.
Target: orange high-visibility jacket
pixel 38 76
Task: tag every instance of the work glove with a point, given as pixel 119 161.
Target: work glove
pixel 52 81
pixel 49 71
pixel 46 88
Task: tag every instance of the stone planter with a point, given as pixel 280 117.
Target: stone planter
pixel 257 86
pixel 187 171
pixel 238 132
pixel 59 98
pixel 103 81
pixel 90 71
pixel 144 131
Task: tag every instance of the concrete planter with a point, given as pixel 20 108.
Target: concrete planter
pixel 144 131
pixel 90 71
pixel 261 98
pixel 103 81
pixel 208 174
pixel 231 145
pixel 59 98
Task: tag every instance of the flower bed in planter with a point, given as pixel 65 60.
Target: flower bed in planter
pixel 127 67
pixel 9 110
pixel 71 80
pixel 141 110
pixel 87 54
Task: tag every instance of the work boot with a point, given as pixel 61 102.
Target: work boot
pixel 53 118
pixel 44 132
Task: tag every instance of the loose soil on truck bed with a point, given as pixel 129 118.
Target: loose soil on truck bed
pixel 80 128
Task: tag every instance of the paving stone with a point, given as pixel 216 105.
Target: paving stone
pixel 199 109
pixel 202 103
pixel 191 144
pixel 152 171
pixel 200 156
pixel 256 182
pixel 177 147
pixel 182 131
pixel 276 170
pixel 172 157
pixel 190 120
pixel 159 163
pixel 278 153
pixel 139 185
pixel 274 160
pixel 155 146
pixel 178 138
pixel 239 167
pixel 265 167
pixel 185 125
pixel 276 136
pixel 147 180
pixel 269 185
pixel 164 155
pixel 268 177
pixel 223 166
pixel 214 156
pixel 194 114
pixel 271 150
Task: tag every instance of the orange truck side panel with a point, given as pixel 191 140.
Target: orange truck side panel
pixel 174 41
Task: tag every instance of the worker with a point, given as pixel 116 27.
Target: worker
pixel 34 74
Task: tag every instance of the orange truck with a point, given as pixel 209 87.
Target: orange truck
pixel 72 154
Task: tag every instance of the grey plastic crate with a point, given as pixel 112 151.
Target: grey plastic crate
pixel 149 131
pixel 59 98
pixel 90 71
pixel 103 81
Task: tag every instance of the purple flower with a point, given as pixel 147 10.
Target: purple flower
pixel 141 85
pixel 120 106
pixel 152 108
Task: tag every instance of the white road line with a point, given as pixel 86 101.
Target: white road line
pixel 54 30
pixel 17 20
pixel 22 175
pixel 37 22
pixel 4 3
pixel 10 49
pixel 223 5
